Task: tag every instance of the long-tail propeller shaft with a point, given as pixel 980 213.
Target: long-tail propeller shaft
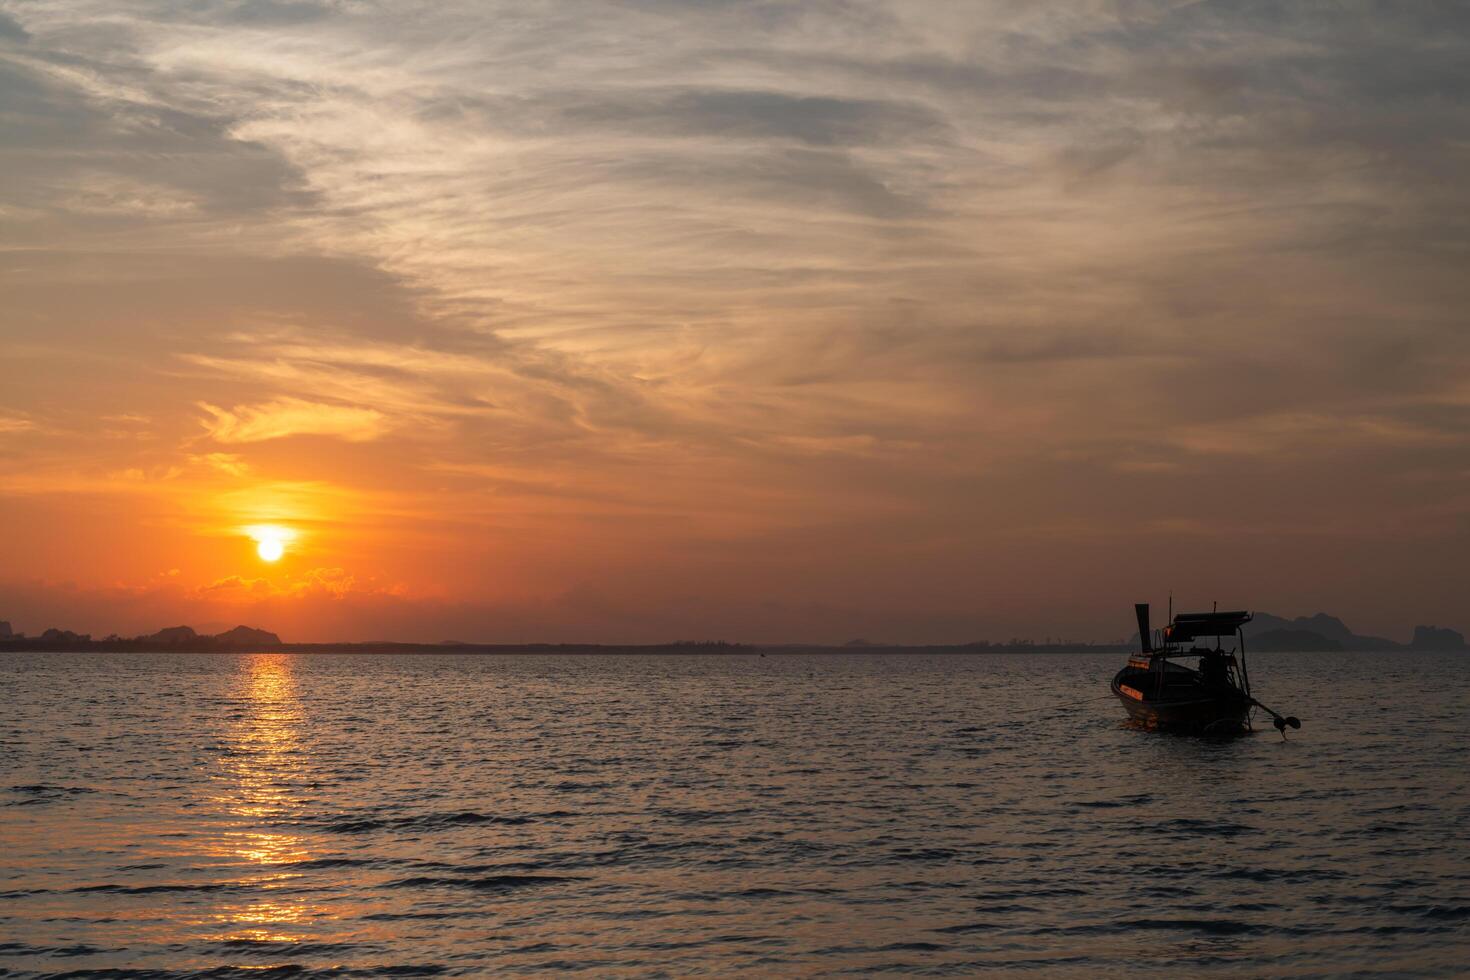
pixel 1282 722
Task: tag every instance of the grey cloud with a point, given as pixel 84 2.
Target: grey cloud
pixel 58 143
pixel 818 180
pixel 276 12
pixel 10 30
pixel 757 115
pixel 738 117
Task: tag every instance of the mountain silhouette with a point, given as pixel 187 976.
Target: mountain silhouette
pixel 172 635
pixel 1322 625
pixel 246 636
pixel 1435 638
pixel 1295 641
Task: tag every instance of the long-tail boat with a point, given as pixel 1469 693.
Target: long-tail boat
pixel 1213 697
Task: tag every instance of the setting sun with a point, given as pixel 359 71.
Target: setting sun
pixel 270 540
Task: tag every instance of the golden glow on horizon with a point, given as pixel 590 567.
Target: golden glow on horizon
pixel 270 540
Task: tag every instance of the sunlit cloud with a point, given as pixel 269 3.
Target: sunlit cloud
pixel 284 417
pixel 313 584
pixel 229 464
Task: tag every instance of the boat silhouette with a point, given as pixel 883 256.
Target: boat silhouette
pixel 1211 698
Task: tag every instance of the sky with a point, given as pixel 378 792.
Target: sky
pixel 604 320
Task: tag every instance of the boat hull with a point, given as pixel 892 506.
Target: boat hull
pixel 1188 707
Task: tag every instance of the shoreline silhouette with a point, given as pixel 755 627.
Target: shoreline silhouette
pixel 1272 634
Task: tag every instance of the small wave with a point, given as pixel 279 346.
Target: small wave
pixel 912 947
pixel 1281 875
pixel 488 883
pixel 425 821
pixel 673 944
pixel 1448 912
pixel 688 817
pixel 1381 830
pixel 1210 927
pixel 1195 827
pixel 427 916
pixel 1004 909
pixel 1121 801
pixel 40 794
pixel 151 889
pixel 277 947
pixel 60 952
pixel 764 893
pixel 923 855
pixel 966 927
pixel 317 864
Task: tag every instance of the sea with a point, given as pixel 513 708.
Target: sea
pixel 272 815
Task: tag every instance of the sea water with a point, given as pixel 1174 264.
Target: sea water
pixel 278 815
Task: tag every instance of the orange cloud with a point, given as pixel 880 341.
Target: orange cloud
pixel 293 417
pixel 228 463
pixel 330 583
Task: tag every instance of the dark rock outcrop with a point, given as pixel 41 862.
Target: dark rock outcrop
pixel 54 635
pixel 172 636
pixel 1435 638
pixel 1328 627
pixel 245 636
pixel 1294 641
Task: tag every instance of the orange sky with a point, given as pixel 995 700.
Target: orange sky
pixel 918 321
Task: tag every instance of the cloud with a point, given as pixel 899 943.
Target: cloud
pixel 864 280
pixel 11 31
pixel 285 417
pixel 737 116
pixel 229 464
pixel 315 583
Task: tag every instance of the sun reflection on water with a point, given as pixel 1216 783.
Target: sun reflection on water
pixel 262 767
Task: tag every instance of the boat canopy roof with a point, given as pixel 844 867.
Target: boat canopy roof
pixel 1187 626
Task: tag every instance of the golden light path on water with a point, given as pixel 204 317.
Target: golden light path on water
pixel 264 753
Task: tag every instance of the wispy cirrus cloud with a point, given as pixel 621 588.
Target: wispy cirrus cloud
pixel 228 463
pixel 285 417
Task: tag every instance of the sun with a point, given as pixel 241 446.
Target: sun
pixel 270 540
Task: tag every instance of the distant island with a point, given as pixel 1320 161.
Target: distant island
pixel 243 639
pixel 1323 632
pixel 182 638
pixel 1266 633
